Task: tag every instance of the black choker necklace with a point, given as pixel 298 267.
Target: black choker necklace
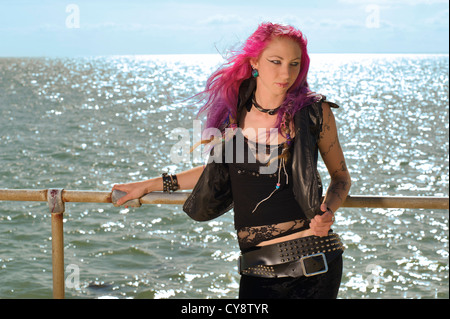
pixel 261 109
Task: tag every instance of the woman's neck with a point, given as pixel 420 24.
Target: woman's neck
pixel 267 100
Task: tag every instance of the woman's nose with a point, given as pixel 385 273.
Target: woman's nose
pixel 285 72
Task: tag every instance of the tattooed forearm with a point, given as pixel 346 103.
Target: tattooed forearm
pixel 339 189
pixel 340 170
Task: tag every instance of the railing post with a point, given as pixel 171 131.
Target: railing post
pixel 57 207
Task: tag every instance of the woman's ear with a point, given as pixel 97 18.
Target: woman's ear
pixel 254 63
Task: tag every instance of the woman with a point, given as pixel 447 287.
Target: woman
pixel 283 225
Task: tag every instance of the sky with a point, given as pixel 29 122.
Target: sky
pixel 100 27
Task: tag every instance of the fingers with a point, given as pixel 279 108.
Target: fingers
pixel 123 199
pixel 123 188
pixel 130 195
pixel 320 233
pixel 319 229
pixel 119 187
pixel 132 191
pixel 325 218
pixel 321 224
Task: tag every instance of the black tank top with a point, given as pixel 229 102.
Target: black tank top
pixel 253 186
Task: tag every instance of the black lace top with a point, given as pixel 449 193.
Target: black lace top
pixel 262 212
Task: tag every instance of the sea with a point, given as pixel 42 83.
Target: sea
pixel 87 123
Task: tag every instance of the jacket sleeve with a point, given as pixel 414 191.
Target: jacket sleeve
pixel 211 196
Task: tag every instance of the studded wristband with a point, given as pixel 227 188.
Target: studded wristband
pixel 170 183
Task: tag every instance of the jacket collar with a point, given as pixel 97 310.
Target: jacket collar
pixel 246 90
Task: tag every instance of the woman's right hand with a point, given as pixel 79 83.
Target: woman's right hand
pixel 133 190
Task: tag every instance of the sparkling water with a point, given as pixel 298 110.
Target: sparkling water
pixel 90 122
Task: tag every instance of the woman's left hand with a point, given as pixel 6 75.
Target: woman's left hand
pixel 321 224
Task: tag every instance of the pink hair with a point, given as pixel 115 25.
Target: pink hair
pixel 222 87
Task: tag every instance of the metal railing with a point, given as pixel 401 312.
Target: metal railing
pixel 56 199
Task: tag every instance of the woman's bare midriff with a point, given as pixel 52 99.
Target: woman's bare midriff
pixel 304 233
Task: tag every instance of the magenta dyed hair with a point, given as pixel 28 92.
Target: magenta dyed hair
pixel 222 87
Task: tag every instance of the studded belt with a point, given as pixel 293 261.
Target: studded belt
pixel 306 256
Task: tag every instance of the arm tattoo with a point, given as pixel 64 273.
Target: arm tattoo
pixel 326 126
pixel 330 147
pixel 339 188
pixel 343 168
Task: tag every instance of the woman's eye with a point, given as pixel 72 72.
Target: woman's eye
pixel 279 62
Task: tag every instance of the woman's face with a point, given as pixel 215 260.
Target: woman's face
pixel 278 66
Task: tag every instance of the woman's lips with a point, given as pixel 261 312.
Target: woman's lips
pixel 283 85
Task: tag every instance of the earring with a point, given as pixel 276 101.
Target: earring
pixel 254 72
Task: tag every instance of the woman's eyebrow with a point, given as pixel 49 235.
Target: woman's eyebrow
pixel 281 58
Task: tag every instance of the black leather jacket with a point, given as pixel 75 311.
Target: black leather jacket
pixel 212 196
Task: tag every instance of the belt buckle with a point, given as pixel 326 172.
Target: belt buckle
pixel 302 263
